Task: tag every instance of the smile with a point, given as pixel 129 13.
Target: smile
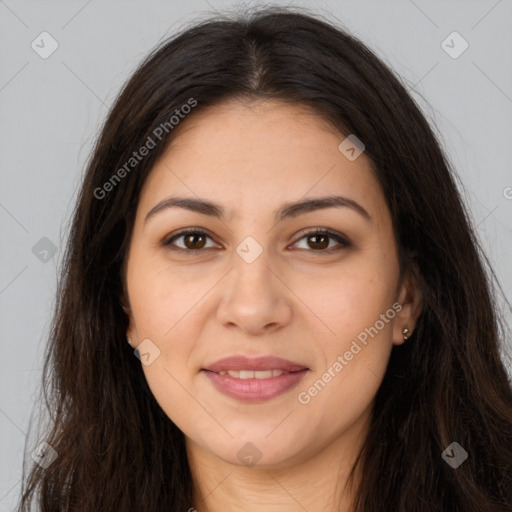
pixel 254 386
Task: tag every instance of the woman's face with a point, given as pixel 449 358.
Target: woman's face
pixel 261 284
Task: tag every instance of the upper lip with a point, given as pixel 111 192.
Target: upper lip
pixel 254 363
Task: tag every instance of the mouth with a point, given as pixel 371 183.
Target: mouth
pixel 258 365
pixel 253 374
pixel 254 379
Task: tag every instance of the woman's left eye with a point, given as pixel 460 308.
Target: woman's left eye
pixel 318 240
pixel 321 240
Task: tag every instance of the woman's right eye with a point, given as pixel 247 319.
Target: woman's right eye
pixel 192 240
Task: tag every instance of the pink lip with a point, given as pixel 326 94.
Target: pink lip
pixel 254 363
pixel 255 390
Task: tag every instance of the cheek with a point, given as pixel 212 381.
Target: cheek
pixel 162 307
pixel 160 294
pixel 354 336
pixel 346 301
pixel 164 312
pixel 352 354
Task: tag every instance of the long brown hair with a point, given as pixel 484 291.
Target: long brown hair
pixel 117 449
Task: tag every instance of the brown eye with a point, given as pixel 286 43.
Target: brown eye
pixel 192 240
pixel 317 241
pixel 320 240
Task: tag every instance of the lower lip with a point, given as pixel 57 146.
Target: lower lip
pixel 255 390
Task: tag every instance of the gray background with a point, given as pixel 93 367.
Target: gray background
pixel 51 110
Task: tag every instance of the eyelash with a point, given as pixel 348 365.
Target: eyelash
pixel 344 243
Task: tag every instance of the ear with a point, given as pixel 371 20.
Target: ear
pixel 410 299
pixel 130 330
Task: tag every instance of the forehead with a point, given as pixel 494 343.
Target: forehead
pixel 250 155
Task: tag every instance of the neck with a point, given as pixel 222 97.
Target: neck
pixel 316 481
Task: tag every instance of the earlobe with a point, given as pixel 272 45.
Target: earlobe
pixel 131 336
pixel 410 299
pixel 129 329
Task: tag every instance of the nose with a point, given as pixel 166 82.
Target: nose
pixel 255 297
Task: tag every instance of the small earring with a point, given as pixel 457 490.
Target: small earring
pixel 406 333
pixel 129 340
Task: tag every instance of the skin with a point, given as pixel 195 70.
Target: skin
pixel 296 301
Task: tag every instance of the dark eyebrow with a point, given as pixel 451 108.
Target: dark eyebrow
pixel 287 210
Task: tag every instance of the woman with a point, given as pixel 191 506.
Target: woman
pixel 272 296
